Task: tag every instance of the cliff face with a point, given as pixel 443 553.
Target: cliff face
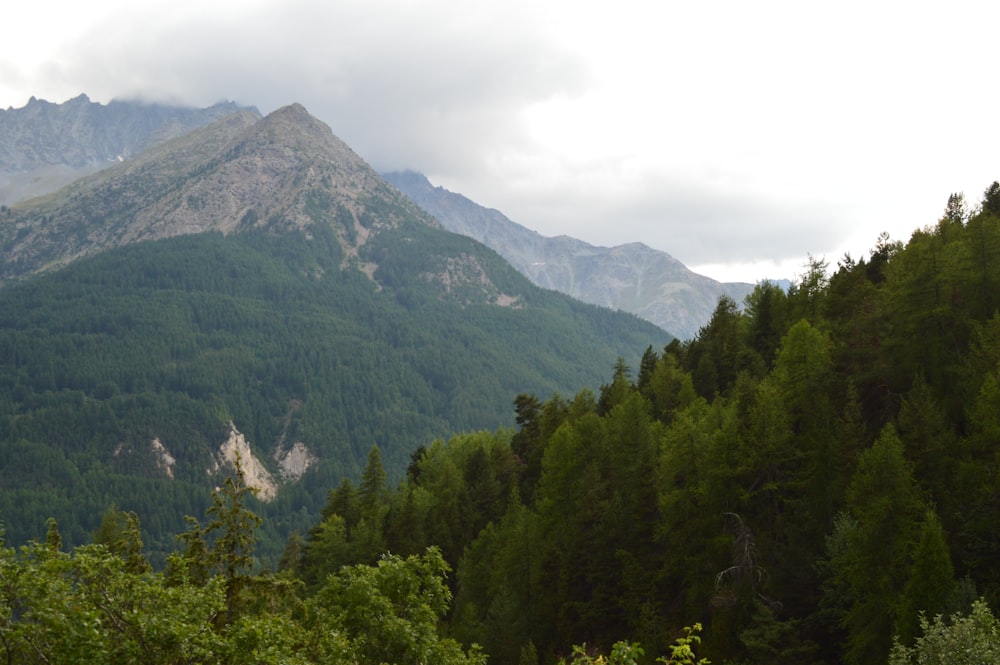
pixel 235 452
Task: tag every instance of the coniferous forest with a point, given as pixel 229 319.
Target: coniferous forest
pixel 813 479
pixel 179 339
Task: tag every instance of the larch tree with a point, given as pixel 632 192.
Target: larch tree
pixel 873 561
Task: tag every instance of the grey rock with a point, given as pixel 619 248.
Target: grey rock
pixel 282 172
pixel 632 277
pixel 44 146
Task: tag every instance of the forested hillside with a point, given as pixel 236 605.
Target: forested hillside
pixel 178 341
pixel 804 479
pixel 632 277
pixel 254 288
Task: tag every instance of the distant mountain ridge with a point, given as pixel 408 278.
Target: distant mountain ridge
pixel 632 277
pixel 254 288
pixel 44 146
pixel 242 172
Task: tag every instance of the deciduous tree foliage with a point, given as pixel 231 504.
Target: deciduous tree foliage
pixel 971 638
pixel 94 605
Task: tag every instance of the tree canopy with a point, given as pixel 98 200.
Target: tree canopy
pixel 814 479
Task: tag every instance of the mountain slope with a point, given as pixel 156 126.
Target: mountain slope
pixel 631 277
pixel 44 146
pixel 255 288
pixel 238 173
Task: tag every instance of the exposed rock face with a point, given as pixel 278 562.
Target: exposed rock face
pixel 44 146
pixel 632 277
pixel 463 274
pixel 285 172
pixel 255 474
pixel 164 460
pixel 294 462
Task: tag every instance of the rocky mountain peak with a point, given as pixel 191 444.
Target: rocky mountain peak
pixel 292 126
pixel 286 171
pixel 80 132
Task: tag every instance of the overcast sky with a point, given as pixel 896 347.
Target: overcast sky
pixel 737 136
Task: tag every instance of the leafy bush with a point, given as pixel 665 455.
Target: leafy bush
pixel 972 639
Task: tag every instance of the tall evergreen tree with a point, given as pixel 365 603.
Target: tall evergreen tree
pixel 767 310
pixel 991 199
pixel 373 492
pixel 717 354
pixel 956 210
pixel 931 445
pixel 616 392
pixel 873 563
pixel 931 584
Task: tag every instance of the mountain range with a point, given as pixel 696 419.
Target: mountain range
pixel 252 292
pixel 804 481
pixel 632 277
pixel 44 146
